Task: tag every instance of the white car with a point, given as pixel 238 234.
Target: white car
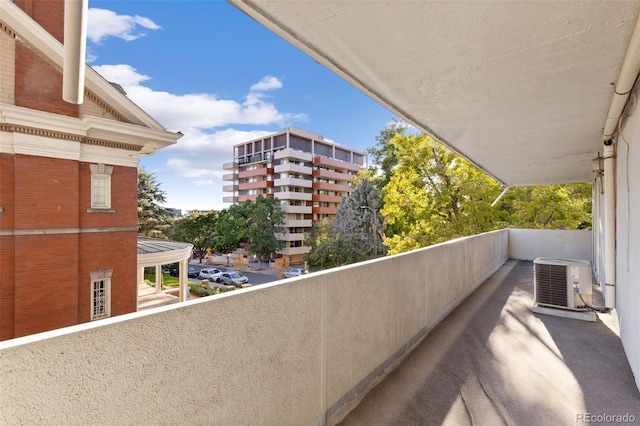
pixel 231 277
pixel 294 272
pixel 210 274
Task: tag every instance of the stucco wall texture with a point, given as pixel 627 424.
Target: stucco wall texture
pixel 294 352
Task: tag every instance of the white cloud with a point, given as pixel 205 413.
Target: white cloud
pixel 267 83
pixel 204 183
pixel 198 110
pixel 124 75
pixel 102 24
pixel 207 123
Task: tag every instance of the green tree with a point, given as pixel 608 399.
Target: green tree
pixel 265 219
pixel 356 234
pixel 231 229
pixel 329 249
pixel 434 195
pixel 358 219
pixel 153 219
pixel 548 207
pixel 383 154
pixel 198 229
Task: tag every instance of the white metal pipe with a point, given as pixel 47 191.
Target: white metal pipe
pixel 500 196
pixel 75 46
pixel 609 226
pixel 626 80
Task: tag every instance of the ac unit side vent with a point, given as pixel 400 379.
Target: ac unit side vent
pixel 550 284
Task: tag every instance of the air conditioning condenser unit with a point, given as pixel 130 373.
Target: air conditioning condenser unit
pixel 562 283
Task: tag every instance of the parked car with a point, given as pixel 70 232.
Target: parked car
pixel 191 272
pixel 210 274
pixel 294 272
pixel 232 277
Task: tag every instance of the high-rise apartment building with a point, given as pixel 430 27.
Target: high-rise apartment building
pixel 306 173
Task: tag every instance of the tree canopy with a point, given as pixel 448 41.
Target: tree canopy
pixel 434 195
pixel 357 232
pixel 431 194
pixel 153 219
pixel 265 219
pixel 199 229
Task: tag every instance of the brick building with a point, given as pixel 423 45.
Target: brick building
pixel 68 182
pixel 306 173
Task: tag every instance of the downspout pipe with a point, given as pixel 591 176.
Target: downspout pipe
pixel 609 225
pixel 622 89
pixel 75 47
pixel 626 80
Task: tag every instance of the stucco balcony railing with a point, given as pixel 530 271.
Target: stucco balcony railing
pixel 305 349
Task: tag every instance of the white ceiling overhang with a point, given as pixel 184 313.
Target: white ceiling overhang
pixel 520 88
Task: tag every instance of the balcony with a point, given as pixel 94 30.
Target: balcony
pixel 327 198
pixel 296 209
pixel 291 237
pixel 243 186
pixel 331 174
pixel 230 199
pixel 338 164
pixel 293 168
pixel 331 187
pixel 229 188
pixel 227 177
pixel 297 223
pixel 243 198
pixel 293 251
pixel 262 171
pixel 302 196
pixel 230 165
pixel 325 210
pixel 303 183
pixel 456 316
pixel 292 153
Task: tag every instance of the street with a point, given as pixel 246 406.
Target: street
pixel 265 275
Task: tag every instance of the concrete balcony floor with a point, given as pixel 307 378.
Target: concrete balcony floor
pixel 493 361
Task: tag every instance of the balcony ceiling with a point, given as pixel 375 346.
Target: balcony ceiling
pixel 520 88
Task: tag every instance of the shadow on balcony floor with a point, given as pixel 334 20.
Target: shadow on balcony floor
pixel 493 361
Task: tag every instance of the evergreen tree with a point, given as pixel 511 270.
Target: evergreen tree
pixel 153 219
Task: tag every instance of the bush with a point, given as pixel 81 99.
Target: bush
pixel 201 290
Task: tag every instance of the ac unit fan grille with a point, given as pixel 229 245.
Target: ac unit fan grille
pixel 551 284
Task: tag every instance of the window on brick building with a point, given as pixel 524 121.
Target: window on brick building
pixel 100 293
pixel 101 186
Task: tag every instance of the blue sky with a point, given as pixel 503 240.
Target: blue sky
pixel 206 69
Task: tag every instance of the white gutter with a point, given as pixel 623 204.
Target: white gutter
pixel 626 80
pixel 75 46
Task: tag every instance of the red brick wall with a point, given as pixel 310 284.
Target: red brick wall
pixel 46 282
pixel 7 252
pixel 6 190
pixel 7 287
pixel 117 251
pixel 39 83
pixel 124 198
pixel 48 13
pixel 46 192
pixel 45 276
